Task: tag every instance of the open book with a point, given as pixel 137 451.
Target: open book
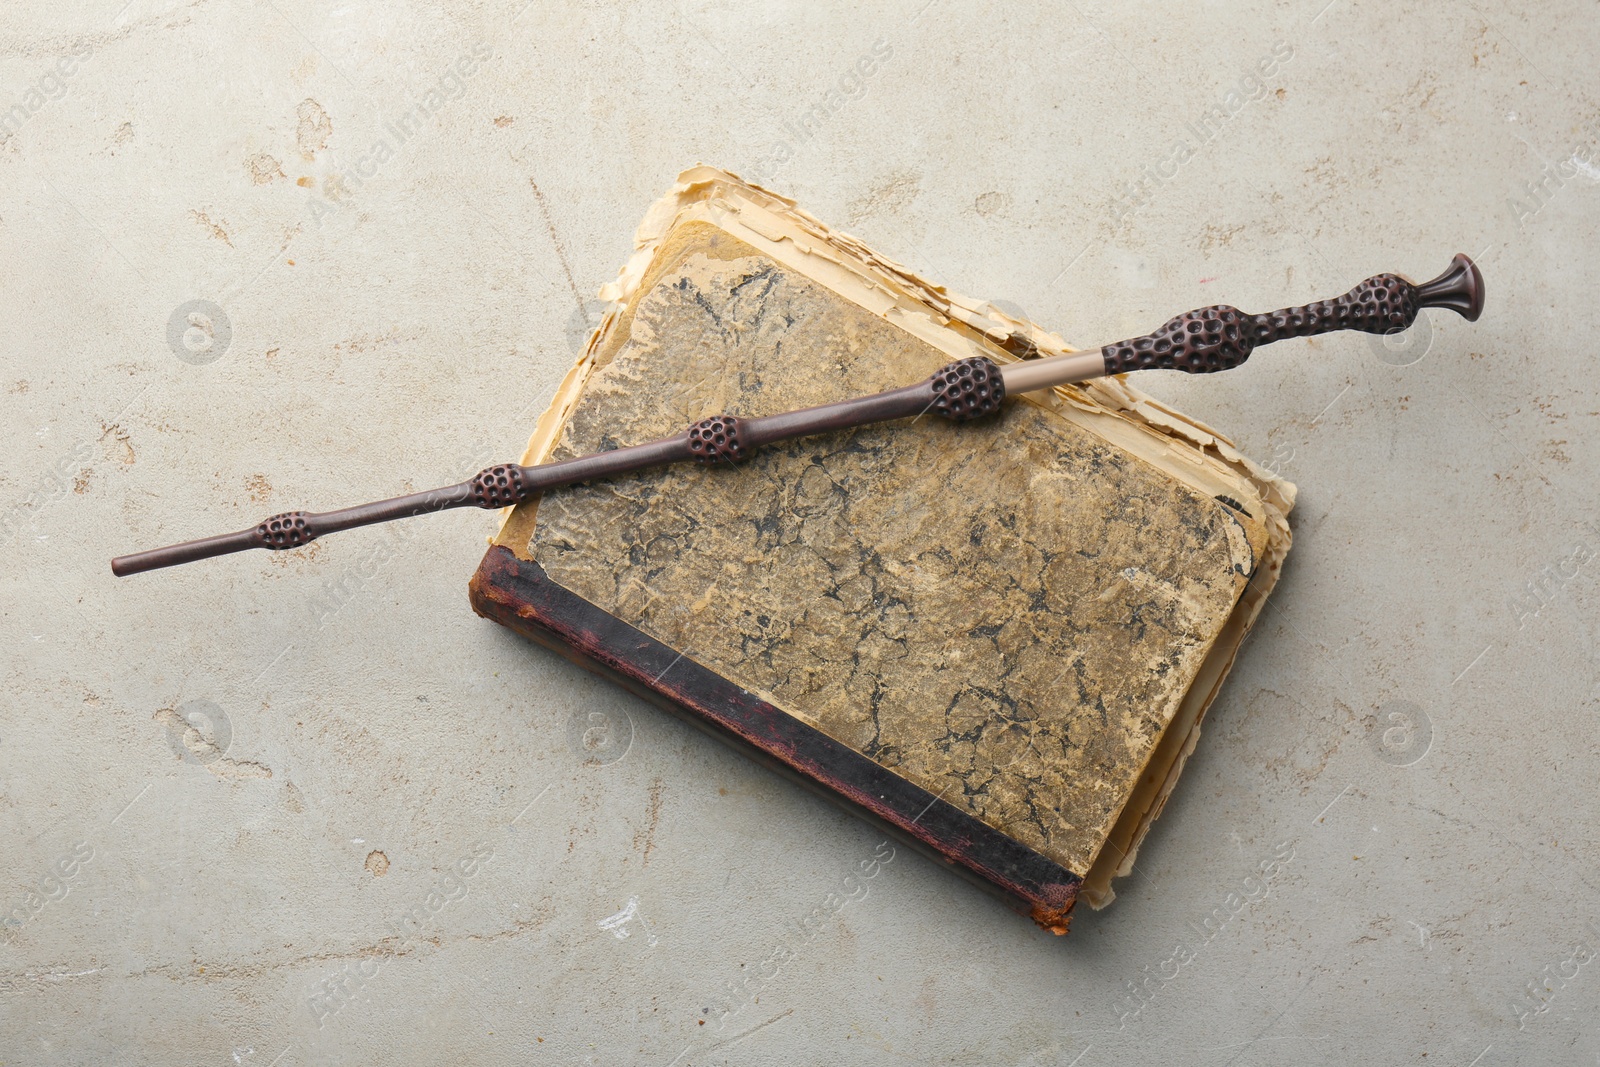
pixel 996 639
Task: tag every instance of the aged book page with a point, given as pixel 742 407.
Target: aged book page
pixel 1025 616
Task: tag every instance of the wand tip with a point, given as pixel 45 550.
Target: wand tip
pixel 187 552
pixel 122 566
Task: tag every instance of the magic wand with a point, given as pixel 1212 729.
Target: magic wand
pixel 1199 342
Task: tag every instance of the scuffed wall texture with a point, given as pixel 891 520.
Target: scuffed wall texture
pixel 308 808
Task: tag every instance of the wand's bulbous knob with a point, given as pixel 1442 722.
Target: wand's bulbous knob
pixel 968 389
pixel 719 439
pixel 1202 341
pixel 289 530
pixel 499 486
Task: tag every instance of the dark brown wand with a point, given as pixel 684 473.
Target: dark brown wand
pixel 1200 342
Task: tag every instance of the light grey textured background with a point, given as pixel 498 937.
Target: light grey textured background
pixel 198 767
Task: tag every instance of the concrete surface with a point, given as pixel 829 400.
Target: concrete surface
pixel 300 810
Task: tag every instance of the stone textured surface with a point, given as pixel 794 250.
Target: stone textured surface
pixel 255 795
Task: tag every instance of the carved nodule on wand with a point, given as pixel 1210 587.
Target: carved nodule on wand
pixel 1199 342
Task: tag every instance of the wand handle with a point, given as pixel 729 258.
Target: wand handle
pixel 1220 337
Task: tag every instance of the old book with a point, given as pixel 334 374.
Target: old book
pixel 996 639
